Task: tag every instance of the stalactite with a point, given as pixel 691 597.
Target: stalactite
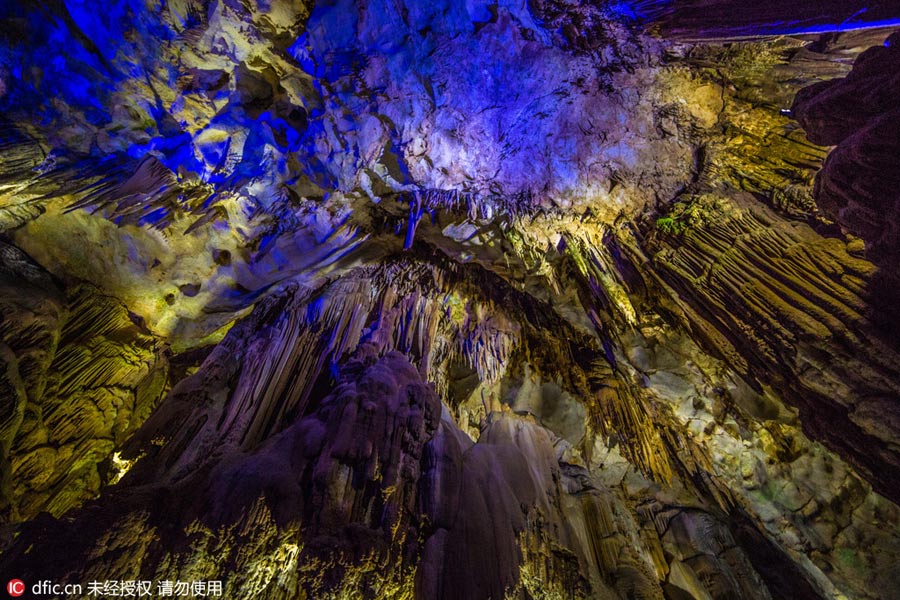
pixel 95 381
pixel 393 299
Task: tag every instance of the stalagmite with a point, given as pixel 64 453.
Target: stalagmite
pixel 450 300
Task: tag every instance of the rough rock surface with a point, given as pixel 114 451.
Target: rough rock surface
pixel 376 494
pixel 858 185
pixel 81 376
pixel 451 299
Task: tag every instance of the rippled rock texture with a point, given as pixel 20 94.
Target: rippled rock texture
pixel 458 300
pixel 858 186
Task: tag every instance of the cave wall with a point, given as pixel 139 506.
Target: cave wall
pixel 856 114
pixel 451 300
pixel 376 492
pixel 81 375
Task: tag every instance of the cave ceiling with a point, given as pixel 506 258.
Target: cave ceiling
pixel 452 299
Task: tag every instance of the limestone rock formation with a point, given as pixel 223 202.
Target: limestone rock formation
pixel 857 113
pixel 453 300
